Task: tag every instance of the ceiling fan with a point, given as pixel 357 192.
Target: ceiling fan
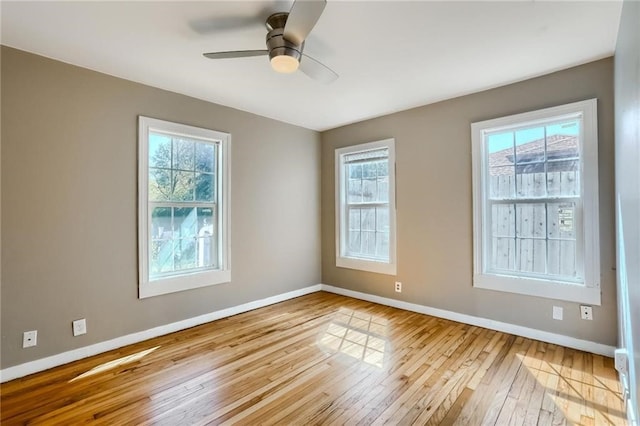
pixel 285 42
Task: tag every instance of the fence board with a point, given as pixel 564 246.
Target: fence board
pixel 529 237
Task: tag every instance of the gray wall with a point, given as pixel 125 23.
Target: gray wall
pixel 69 219
pixel 627 90
pixel 434 205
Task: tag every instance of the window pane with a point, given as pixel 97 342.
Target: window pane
pixel 503 229
pixel 205 157
pixel 382 219
pixel 531 255
pixel 531 222
pixel 161 223
pixel 369 243
pixel 383 189
pixel 368 219
pixel 502 182
pixel 205 187
pixel 383 168
pixel 161 257
pixel 185 254
pixel 562 140
pixel 354 242
pixel 530 146
pixel 183 150
pixel 207 249
pixel 354 171
pixel 206 252
pixel 382 245
pixel 504 253
pixel 159 185
pixel 530 163
pixel 354 194
pixel 206 222
pixel 369 170
pixel 184 222
pixel 561 220
pixel 159 151
pixel 183 186
pixel 501 164
pixel 563 178
pixel 562 258
pixel 369 190
pixel 354 219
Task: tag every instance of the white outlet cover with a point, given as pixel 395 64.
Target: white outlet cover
pixel 557 312
pixel 586 312
pixel 80 327
pixel 29 338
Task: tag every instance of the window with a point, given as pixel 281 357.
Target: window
pixel 535 185
pixel 365 207
pixel 183 207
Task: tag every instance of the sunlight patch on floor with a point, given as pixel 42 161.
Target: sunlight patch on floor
pixel 582 398
pixel 357 334
pixel 114 364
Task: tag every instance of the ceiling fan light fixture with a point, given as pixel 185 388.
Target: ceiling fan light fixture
pixel 284 64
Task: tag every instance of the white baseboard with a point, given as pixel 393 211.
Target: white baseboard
pixel 42 364
pixel 531 333
pixel 31 367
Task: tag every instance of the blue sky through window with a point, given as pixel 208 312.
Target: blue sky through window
pixel 499 141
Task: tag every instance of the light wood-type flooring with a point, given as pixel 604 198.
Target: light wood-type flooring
pixel 325 359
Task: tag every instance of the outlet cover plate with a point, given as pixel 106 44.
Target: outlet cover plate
pixel 29 338
pixel 586 312
pixel 557 312
pixel 80 327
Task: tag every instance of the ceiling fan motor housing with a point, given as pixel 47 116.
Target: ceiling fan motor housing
pixel 276 43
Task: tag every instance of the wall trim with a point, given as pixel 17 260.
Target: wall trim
pixel 518 330
pixel 42 364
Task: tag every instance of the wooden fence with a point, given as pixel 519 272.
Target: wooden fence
pixel 536 236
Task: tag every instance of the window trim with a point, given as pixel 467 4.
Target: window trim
pixel 370 265
pixel 585 292
pixel 192 279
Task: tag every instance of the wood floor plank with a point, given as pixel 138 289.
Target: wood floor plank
pixel 324 359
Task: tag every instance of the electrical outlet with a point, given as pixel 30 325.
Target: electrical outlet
pixel 29 338
pixel 586 312
pixel 398 287
pixel 557 312
pixel 79 327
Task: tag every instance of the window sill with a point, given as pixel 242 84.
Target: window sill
pixel 540 288
pixel 183 282
pixel 366 265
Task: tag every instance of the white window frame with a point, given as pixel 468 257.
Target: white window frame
pixel 191 279
pixel 586 290
pixel 342 259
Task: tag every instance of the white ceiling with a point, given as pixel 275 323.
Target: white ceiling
pixel 391 55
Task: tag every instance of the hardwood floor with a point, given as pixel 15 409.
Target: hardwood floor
pixel 325 359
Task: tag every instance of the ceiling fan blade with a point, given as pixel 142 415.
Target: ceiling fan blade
pixel 316 70
pixel 302 18
pixel 236 54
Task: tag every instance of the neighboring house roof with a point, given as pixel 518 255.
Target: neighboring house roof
pixel 558 147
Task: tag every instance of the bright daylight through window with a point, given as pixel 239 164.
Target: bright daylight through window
pixel 183 198
pixel 535 183
pixel 365 207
